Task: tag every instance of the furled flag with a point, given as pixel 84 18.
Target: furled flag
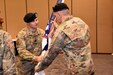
pixel 47 40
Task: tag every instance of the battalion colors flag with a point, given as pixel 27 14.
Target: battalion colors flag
pixel 46 40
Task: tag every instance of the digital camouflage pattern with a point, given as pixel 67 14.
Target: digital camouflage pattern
pixel 7 46
pixel 28 45
pixel 73 38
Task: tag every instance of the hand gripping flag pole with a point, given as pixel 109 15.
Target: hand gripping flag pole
pixel 47 40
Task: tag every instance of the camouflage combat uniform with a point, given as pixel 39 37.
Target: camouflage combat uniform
pixel 28 45
pixel 7 46
pixel 73 38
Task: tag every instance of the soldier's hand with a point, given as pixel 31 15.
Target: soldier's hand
pixel 38 58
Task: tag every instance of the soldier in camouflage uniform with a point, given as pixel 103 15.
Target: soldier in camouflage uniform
pixel 73 38
pixel 28 44
pixel 7 61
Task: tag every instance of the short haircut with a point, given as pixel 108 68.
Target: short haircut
pixel 59 7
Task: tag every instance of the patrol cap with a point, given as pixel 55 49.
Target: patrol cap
pixel 59 7
pixel 29 17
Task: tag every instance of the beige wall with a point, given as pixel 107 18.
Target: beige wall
pixel 15 10
pixel 105 26
pixel 98 14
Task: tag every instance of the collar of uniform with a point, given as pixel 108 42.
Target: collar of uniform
pixel 32 32
pixel 68 18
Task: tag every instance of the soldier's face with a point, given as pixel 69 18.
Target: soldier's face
pixel 1 19
pixel 58 17
pixel 33 24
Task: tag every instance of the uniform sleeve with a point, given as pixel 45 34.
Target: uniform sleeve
pixel 57 46
pixel 21 47
pixel 9 58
